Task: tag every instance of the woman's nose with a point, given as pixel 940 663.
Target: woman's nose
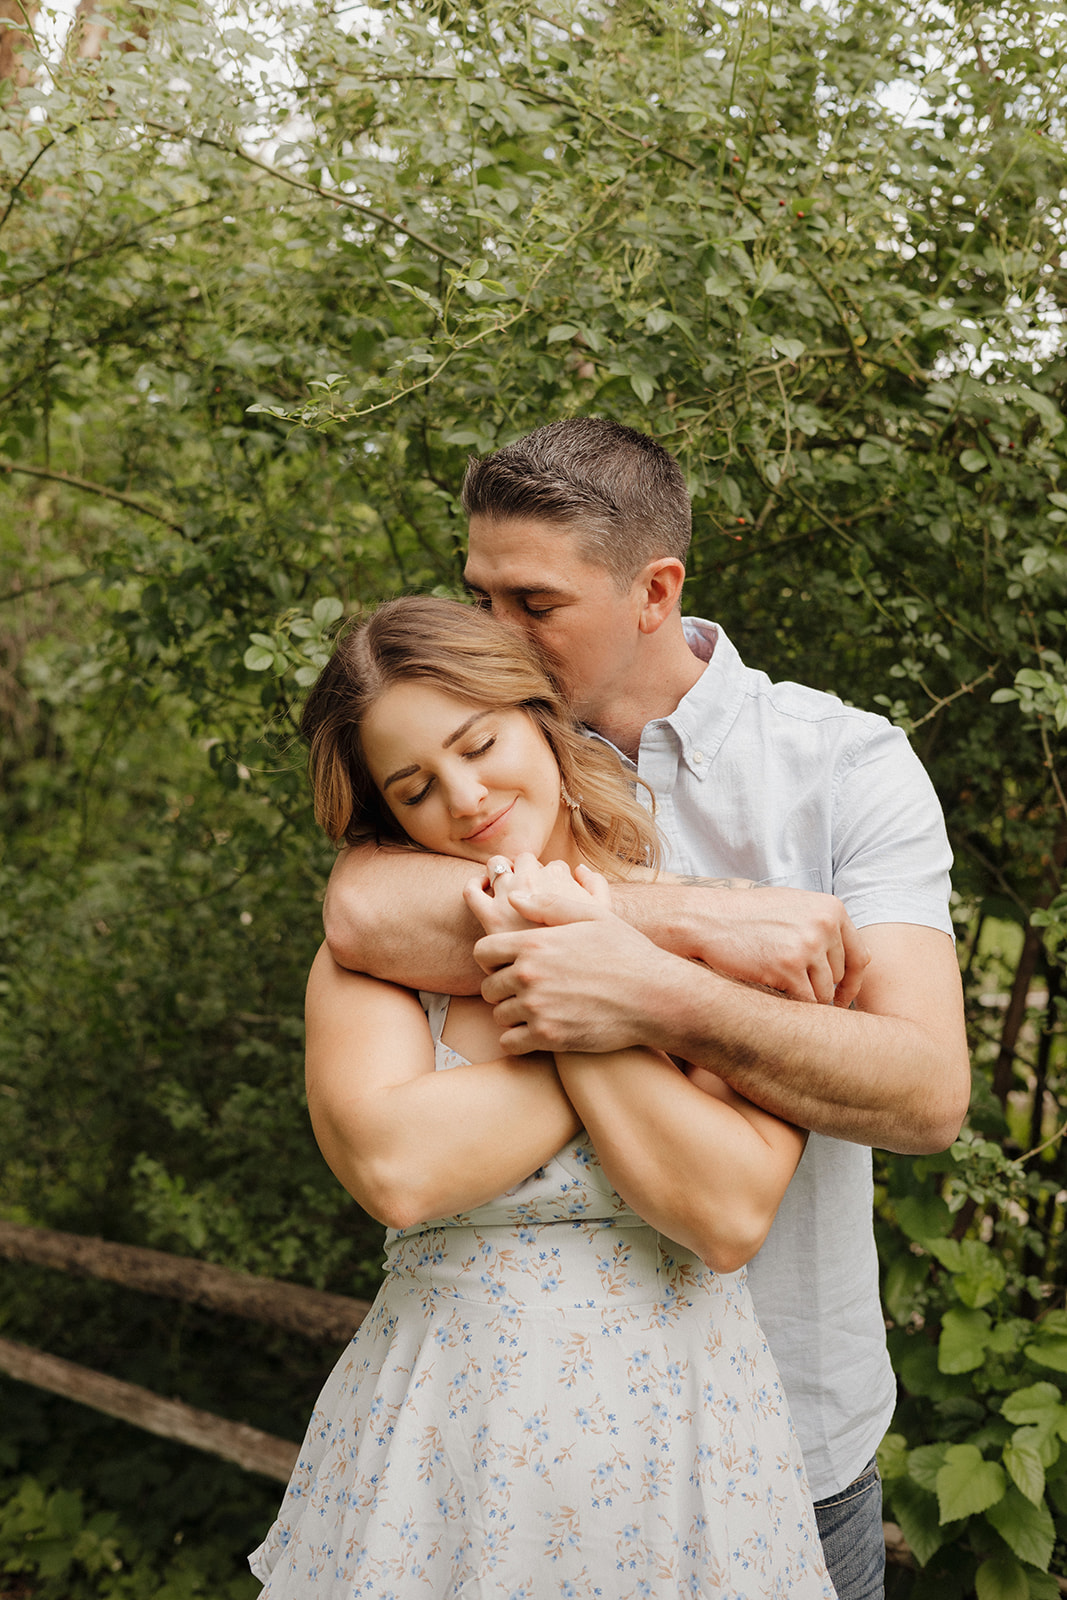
pixel 465 795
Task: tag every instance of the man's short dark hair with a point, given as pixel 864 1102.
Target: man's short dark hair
pixel 621 492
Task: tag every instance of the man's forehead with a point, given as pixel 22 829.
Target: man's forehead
pixel 525 556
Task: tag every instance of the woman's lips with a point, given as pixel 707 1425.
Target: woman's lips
pixel 487 828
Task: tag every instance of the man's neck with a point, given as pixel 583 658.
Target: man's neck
pixel 668 673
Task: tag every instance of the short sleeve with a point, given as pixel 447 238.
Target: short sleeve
pixel 891 855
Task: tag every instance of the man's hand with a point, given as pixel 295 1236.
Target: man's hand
pixel 578 978
pixel 796 942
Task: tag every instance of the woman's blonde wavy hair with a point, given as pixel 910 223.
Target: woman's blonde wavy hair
pixel 464 652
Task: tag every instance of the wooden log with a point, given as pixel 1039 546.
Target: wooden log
pixel 310 1312
pixel 170 1419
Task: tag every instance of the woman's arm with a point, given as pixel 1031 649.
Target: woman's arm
pixel 692 1157
pixel 409 1143
pixel 698 1162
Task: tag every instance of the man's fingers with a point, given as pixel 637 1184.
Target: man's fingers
pixel 857 960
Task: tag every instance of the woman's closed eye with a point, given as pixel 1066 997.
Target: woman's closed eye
pixel 482 749
pixel 414 799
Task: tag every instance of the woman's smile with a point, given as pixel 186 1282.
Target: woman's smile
pixel 485 828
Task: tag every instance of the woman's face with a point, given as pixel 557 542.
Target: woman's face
pixel 464 780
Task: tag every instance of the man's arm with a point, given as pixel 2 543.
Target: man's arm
pixel 400 915
pixel 801 944
pixel 893 1073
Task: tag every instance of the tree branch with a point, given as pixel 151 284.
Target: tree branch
pixel 336 196
pixel 91 488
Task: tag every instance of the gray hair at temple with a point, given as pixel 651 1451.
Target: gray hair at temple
pixel 621 492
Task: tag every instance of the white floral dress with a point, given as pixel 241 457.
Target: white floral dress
pixel 548 1401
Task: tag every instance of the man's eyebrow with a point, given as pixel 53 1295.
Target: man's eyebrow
pixel 517 591
pixel 407 772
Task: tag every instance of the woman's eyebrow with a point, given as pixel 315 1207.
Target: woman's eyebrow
pixel 406 772
pixel 461 730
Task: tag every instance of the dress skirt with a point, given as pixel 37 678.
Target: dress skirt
pixel 535 1410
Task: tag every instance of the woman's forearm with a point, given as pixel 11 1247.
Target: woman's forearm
pixel 446 1142
pixel 688 1162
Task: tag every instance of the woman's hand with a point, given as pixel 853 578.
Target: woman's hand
pixel 510 897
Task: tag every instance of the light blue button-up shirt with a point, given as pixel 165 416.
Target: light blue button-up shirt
pixel 788 786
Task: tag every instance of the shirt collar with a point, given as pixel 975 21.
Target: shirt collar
pixel 704 716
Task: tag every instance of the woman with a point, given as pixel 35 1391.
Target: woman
pixel 561 1389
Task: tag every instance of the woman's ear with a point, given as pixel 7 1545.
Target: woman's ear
pixel 660 589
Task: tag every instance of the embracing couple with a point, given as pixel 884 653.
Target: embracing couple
pixel 566 1371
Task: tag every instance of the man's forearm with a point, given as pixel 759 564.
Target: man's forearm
pixel 891 1081
pixel 792 940
pixel 892 1073
pixel 399 915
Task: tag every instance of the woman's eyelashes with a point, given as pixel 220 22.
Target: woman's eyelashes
pixel 482 749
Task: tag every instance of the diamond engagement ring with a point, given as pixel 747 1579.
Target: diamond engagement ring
pixel 496 869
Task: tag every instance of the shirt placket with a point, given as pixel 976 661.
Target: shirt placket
pixel 658 766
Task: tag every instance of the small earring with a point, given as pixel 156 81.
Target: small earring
pixel 568 799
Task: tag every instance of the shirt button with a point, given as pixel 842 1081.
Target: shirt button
pixel 698 756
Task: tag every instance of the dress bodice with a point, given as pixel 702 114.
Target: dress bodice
pixel 571 1187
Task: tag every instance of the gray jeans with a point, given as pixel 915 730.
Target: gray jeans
pixel 850 1526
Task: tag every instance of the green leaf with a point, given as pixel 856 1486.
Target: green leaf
pixel 791 349
pixel 973 461
pixel 1040 1402
pixel 923 1216
pixel 967 1483
pixel 963 1341
pixel 257 659
pixel 327 610
pixel 1025 1528
pixel 978 1273
pixel 1022 1457
pixel 715 286
pixel 893 1456
pixel 643 386
pixel 1001 1578
pixel 904 1280
pixel 1049 1353
pixel 925 1463
pixel 730 494
pixel 916 1512
pixel 561 331
pixel 871 455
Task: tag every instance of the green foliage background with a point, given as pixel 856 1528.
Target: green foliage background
pixel 267 276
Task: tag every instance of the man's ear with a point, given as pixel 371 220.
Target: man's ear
pixel 659 591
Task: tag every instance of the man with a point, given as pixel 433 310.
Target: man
pixel 578 535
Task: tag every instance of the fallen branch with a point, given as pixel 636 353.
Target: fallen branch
pixel 311 1312
pixel 169 1419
